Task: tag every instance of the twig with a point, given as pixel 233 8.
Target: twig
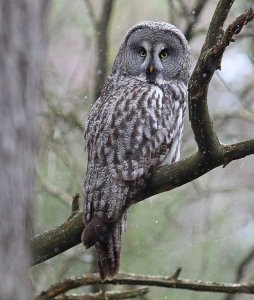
pixel 75 203
pixel 227 37
pixel 148 280
pixel 75 206
pixel 177 273
pixel 114 295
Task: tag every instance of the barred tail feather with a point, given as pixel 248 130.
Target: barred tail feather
pixel 108 253
pixel 107 240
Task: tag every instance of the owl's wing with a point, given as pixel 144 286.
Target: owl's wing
pixel 129 133
pixel 92 122
pixel 131 130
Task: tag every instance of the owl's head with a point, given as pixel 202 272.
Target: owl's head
pixel 155 52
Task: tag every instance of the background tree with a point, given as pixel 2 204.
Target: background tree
pixel 22 44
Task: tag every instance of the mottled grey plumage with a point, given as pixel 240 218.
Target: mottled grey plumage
pixel 135 126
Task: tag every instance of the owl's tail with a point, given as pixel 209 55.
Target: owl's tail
pixel 108 253
pixel 108 245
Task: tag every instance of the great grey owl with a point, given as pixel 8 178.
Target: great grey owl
pixel 135 126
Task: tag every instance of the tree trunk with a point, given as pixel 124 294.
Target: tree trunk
pixel 21 49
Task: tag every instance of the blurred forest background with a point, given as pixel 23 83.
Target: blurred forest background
pixel 206 226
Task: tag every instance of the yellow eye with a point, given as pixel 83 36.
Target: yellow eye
pixel 142 53
pixel 163 54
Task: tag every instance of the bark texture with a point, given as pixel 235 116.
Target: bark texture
pixel 21 48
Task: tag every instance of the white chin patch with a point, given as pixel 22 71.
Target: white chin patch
pixel 141 77
pixel 159 80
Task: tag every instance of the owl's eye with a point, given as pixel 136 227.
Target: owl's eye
pixel 142 52
pixel 163 53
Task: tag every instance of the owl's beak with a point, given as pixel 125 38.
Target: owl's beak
pixel 151 69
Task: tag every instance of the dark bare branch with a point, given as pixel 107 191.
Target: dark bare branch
pixel 148 280
pixel 67 235
pixel 177 273
pixel 75 203
pixel 52 242
pixel 224 40
pixel 237 151
pixel 219 17
pixel 208 62
pixel 114 295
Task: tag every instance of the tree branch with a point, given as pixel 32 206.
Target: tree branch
pixel 148 280
pixel 219 17
pixel 166 178
pixel 107 295
pixel 209 60
pixel 53 242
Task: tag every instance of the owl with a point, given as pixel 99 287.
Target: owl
pixel 134 127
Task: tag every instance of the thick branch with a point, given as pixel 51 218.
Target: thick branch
pixel 166 178
pixel 52 242
pixel 148 280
